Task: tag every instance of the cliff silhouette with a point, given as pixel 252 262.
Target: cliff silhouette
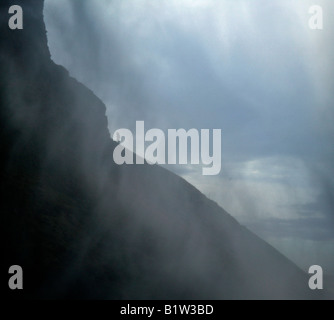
pixel 82 227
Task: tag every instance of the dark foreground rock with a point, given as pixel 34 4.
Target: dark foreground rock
pixel 83 227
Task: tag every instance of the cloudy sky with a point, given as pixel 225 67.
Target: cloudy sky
pixel 253 69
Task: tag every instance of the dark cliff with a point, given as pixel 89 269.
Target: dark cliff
pixel 83 227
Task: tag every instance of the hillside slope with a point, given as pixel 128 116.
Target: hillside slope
pixel 83 227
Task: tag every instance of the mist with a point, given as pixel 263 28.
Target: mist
pixel 88 228
pixel 254 70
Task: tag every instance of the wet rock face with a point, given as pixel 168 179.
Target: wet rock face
pixel 81 226
pixel 52 132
